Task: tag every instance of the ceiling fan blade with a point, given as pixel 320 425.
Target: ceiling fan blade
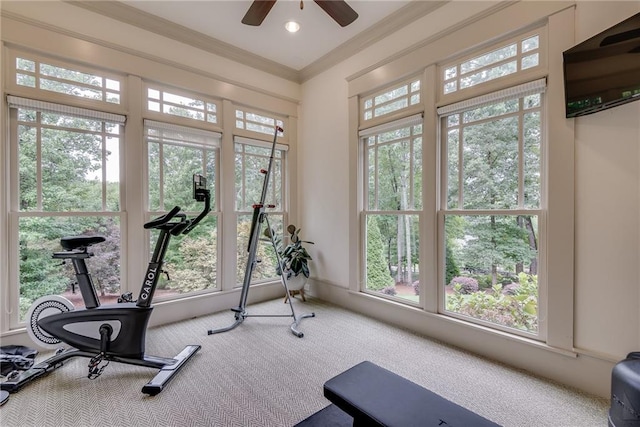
pixel 258 10
pixel 339 10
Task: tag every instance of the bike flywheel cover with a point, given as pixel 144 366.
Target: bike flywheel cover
pixel 42 307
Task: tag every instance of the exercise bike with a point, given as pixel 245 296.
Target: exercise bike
pixel 114 332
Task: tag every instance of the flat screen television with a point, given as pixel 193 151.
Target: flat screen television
pixel 603 71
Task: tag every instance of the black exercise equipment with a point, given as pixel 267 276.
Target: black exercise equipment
pixel 114 332
pixel 625 392
pixel 375 396
pixel 260 217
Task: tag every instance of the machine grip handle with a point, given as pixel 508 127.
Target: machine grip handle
pixel 163 219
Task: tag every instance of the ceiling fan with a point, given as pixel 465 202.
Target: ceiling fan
pixel 339 10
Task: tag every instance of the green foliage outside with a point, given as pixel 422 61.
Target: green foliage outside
pixel 41 275
pixel 515 306
pixel 190 262
pixel 451 265
pixel 378 276
pixel 266 267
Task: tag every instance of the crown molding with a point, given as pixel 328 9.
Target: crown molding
pixel 424 42
pixel 392 23
pixel 124 49
pixel 132 16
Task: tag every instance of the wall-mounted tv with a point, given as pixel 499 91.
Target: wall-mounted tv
pixel 603 71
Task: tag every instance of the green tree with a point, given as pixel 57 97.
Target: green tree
pixel 378 276
pixel 490 181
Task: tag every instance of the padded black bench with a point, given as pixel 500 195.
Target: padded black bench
pixel 375 396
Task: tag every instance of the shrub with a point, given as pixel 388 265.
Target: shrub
pixel 389 290
pixel 452 269
pixel 515 307
pixel 467 285
pixel 484 281
pixel 416 287
pixel 378 277
pixel 510 289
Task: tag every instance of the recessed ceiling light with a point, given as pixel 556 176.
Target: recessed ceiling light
pixel 292 26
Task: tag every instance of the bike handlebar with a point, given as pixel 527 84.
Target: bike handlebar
pixel 201 194
pixel 163 219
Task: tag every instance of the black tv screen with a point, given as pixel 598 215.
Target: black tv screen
pixel 603 71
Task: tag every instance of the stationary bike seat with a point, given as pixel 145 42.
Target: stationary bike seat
pixel 70 243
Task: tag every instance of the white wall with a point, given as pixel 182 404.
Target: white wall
pixel 607 206
pixel 607 212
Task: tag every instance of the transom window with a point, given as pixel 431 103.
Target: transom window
pixel 391 100
pixel 258 122
pixel 68 80
pixel 189 106
pixel 517 55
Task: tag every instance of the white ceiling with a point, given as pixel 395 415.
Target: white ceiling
pixel 319 34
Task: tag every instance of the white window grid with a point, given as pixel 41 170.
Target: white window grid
pixel 68 79
pixel 389 100
pixel 184 105
pixel 262 123
pixel 521 53
pixel 248 153
pixel 166 135
pixel 407 130
pixel 530 99
pixel 104 126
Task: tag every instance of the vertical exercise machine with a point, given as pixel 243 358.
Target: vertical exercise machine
pixel 259 218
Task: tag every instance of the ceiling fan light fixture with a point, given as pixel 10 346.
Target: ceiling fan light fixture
pixel 292 26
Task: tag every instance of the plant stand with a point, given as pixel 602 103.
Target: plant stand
pixel 293 293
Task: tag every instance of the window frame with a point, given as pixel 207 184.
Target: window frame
pixel 133 78
pixel 513 79
pixel 206 137
pixel 13 88
pixel 506 93
pixel 15 213
pixel 432 72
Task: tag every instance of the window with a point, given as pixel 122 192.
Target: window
pixel 68 80
pixel 393 100
pixel 65 181
pixel 392 165
pixel 492 207
pixel 517 55
pixel 256 122
pixel 251 161
pixel 182 105
pixel 91 150
pixel 175 154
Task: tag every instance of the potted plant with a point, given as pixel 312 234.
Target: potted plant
pixel 294 259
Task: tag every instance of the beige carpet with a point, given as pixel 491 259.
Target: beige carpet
pixel 260 374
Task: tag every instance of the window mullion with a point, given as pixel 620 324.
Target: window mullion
pixel 521 136
pixel 460 163
pixel 38 161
